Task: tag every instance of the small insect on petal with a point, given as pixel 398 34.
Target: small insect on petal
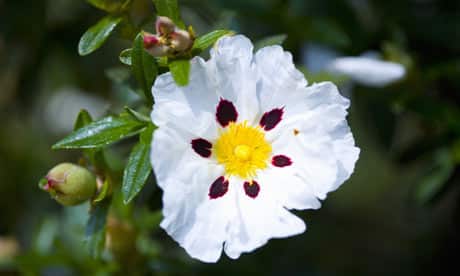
pixel 226 112
pixel 271 119
pixel 281 161
pixel 218 188
pixel 251 188
pixel 202 147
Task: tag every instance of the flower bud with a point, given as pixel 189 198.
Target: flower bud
pixel 164 25
pixel 181 40
pixel 154 45
pixel 70 184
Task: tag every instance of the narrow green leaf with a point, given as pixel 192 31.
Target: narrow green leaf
pixel 146 135
pixel 101 133
pixel 103 192
pixel 96 227
pixel 95 36
pixel 143 66
pixel 125 56
pixel 111 6
pixel 205 41
pixel 137 115
pixel 83 119
pixel 270 40
pixel 136 172
pixel 180 70
pixel 435 178
pixel 169 8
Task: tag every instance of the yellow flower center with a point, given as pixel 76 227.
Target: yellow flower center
pixel 242 150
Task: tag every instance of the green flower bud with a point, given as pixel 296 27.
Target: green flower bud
pixel 70 184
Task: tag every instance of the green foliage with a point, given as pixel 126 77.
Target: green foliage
pixel 111 6
pixel 435 177
pixel 169 8
pixel 95 36
pixel 138 168
pixel 270 40
pixel 101 133
pixel 180 70
pixel 143 66
pixel 205 41
pixel 96 228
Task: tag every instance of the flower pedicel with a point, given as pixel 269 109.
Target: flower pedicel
pixel 242 143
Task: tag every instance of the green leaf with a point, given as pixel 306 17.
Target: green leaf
pixel 125 56
pixel 83 119
pixel 137 170
pixel 180 70
pixel 101 133
pixel 103 192
pixel 146 135
pixel 205 41
pixel 270 40
pixel 435 178
pixel 111 6
pixel 137 115
pixel 143 66
pixel 170 9
pixel 95 36
pixel 95 228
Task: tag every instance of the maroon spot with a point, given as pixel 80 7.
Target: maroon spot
pixel 226 112
pixel 271 119
pixel 218 188
pixel 202 147
pixel 281 161
pixel 252 190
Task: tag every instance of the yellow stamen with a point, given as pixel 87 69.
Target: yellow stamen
pixel 242 149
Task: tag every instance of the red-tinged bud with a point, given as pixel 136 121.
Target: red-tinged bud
pixel 159 50
pixel 181 40
pixel 164 25
pixel 150 40
pixel 70 184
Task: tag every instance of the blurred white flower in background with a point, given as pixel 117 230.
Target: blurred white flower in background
pixel 368 69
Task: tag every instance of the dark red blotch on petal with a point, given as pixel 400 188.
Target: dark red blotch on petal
pixel 218 188
pixel 281 161
pixel 251 189
pixel 226 112
pixel 202 147
pixel 271 118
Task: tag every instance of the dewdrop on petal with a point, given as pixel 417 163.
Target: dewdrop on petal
pixel 70 184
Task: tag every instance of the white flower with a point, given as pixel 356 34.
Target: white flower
pixel 368 71
pixel 242 143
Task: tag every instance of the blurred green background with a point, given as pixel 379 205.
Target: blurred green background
pixel 397 215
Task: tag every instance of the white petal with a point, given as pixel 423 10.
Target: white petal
pixel 280 83
pixel 190 108
pixel 197 223
pixel 234 75
pixel 258 220
pixel 368 71
pixel 289 189
pixel 318 140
